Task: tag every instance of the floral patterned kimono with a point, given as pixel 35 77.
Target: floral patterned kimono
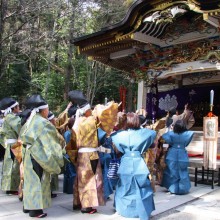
pixel 89 173
pixel 42 157
pixel 11 171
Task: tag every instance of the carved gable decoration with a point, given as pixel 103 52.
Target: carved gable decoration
pixel 160 35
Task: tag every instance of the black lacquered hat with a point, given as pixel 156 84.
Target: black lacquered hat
pixel 36 101
pixel 142 119
pixel 24 115
pixel 7 103
pixel 77 97
pixel 72 111
pixel 50 116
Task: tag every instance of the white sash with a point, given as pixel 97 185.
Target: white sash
pixel 104 150
pixel 10 141
pixel 87 150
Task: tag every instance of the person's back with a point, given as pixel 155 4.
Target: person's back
pixel 180 140
pixel 176 177
pixel 89 173
pixel 43 156
pixel 9 135
pixel 133 170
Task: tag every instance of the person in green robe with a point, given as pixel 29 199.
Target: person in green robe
pixel 54 183
pixel 9 134
pixel 2 149
pixel 42 158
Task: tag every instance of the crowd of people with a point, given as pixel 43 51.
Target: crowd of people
pixel 107 151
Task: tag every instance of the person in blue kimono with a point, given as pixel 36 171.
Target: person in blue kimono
pixel 134 194
pixel 105 155
pixel 176 176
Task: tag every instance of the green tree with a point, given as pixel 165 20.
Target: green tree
pixel 37 54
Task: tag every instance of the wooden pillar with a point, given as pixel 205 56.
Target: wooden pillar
pixel 142 95
pixel 130 98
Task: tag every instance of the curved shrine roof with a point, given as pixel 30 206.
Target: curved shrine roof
pixel 159 35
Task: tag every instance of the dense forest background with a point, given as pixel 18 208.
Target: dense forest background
pixel 37 54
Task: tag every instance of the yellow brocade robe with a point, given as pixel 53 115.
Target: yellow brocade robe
pixel 107 115
pixel 61 121
pixel 89 183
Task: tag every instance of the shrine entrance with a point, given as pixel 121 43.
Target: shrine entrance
pixel 173 43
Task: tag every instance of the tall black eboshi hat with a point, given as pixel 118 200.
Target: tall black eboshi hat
pixel 50 116
pixel 72 111
pixel 35 101
pixel 6 104
pixel 77 98
pixel 24 115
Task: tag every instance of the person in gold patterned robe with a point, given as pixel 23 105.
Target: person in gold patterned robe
pixel 154 156
pixel 161 128
pixel 89 173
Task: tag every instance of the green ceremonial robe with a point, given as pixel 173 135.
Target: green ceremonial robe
pixel 11 173
pixel 54 183
pixel 42 145
pixel 2 137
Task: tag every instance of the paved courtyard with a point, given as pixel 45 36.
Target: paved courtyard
pixel 201 203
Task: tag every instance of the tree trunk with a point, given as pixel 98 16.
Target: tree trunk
pixel 3 64
pixel 70 67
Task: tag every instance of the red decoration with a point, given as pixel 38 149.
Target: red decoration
pixel 123 91
pixel 210 114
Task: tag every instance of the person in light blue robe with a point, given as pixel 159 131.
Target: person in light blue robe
pixel 134 194
pixel 176 177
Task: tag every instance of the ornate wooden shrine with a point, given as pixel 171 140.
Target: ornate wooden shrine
pixel 175 42
pixel 166 45
pixel 159 35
